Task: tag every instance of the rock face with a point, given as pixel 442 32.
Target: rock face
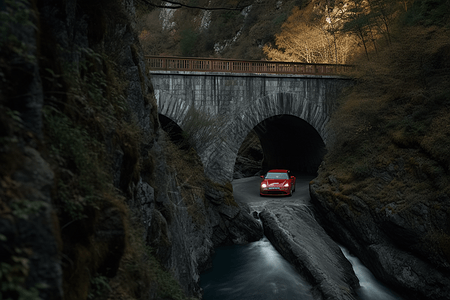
pixel 249 158
pixel 295 233
pixel 234 225
pixel 184 242
pixel 386 241
pixel 33 228
pixel 73 39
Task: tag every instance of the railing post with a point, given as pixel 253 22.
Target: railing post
pixel 223 65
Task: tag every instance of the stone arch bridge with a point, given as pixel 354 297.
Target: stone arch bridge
pixel 219 102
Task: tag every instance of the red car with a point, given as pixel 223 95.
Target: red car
pixel 277 183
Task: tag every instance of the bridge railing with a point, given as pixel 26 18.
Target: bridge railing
pixel 170 63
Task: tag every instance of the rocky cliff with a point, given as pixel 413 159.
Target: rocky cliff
pixel 90 206
pixel 383 190
pixel 240 31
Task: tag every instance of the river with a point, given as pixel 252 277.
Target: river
pixel 253 271
pixel 257 271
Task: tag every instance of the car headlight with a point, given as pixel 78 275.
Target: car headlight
pixel 286 184
pixel 263 185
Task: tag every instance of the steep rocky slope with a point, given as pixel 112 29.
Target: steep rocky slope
pixel 221 33
pixel 383 188
pixel 90 207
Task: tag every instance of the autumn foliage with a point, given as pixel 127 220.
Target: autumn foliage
pixel 335 31
pixel 395 121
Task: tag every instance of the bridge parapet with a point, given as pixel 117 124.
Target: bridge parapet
pixel 170 63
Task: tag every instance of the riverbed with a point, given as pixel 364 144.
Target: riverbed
pixel 258 271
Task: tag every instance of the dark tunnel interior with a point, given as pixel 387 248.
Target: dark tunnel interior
pixel 289 142
pixel 286 142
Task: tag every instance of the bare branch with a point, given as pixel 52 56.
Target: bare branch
pixel 177 5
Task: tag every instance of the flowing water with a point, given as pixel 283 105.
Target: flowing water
pixel 256 271
pixel 371 288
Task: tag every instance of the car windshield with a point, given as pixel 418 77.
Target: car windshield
pixel 277 176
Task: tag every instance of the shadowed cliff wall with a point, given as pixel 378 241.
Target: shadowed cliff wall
pixel 89 206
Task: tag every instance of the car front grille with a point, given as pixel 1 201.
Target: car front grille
pixel 275 192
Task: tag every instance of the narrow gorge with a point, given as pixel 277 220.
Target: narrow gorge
pixel 99 201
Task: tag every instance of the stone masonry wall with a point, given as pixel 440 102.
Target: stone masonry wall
pixel 239 102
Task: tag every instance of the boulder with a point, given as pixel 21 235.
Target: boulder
pixel 236 226
pixel 385 240
pixel 295 233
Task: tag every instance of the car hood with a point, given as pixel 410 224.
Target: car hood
pixel 275 182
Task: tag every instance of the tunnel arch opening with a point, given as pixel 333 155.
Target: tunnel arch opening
pixel 286 142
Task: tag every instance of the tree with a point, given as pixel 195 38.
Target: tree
pixel 371 19
pixel 312 37
pixel 382 13
pixel 301 43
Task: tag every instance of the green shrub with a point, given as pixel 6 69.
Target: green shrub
pixel 428 12
pixel 80 153
pixel 14 271
pixel 167 286
pixel 361 171
pixel 200 128
pixel 188 42
pixel 279 20
pixel 14 14
pixel 99 287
